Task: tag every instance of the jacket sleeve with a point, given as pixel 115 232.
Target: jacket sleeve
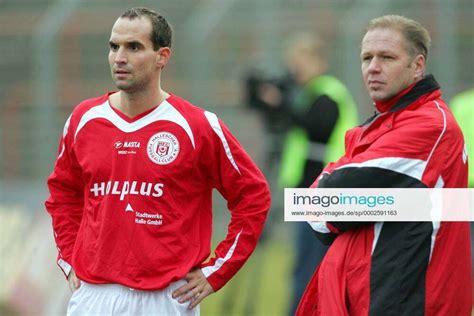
pixel 241 183
pixel 399 158
pixel 66 200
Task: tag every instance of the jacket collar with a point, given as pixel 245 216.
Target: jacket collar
pixel 409 95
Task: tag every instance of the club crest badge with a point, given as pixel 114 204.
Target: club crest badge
pixel 163 148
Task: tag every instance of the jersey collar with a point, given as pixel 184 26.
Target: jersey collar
pixel 408 95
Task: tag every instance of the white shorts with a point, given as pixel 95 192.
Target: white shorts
pixel 115 299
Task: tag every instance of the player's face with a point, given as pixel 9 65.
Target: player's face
pixel 387 66
pixel 133 62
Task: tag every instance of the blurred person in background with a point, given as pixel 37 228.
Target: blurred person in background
pixel 390 268
pixel 321 109
pixel 318 109
pixel 131 190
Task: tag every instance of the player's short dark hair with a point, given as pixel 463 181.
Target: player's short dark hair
pixel 162 32
pixel 416 35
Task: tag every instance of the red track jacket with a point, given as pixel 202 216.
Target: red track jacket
pixel 415 268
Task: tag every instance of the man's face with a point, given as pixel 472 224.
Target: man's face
pixel 387 66
pixel 132 60
pixel 298 62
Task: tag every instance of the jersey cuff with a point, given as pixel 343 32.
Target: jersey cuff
pixel 66 267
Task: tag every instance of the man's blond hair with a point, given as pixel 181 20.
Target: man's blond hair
pixel 416 35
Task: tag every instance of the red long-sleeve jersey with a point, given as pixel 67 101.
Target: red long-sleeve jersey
pixel 131 199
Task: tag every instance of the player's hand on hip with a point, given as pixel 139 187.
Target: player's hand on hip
pixel 74 282
pixel 195 290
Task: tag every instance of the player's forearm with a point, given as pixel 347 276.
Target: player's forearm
pixel 66 227
pixel 233 252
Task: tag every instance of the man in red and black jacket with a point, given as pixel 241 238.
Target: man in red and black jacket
pixel 389 268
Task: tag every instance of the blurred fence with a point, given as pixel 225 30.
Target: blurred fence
pixel 54 54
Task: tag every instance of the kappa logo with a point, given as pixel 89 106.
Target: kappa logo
pixel 163 148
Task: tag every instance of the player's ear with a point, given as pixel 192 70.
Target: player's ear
pixel 420 64
pixel 163 56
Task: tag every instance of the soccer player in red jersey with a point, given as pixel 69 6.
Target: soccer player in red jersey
pixel 131 190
